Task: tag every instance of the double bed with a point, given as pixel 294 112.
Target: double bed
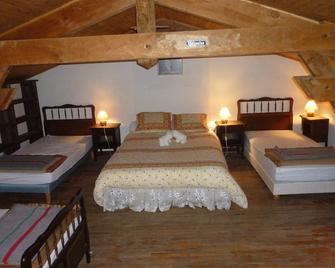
pixel 144 176
pixel 67 130
pixel 268 123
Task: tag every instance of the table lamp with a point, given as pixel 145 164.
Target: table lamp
pixel 224 115
pixel 310 108
pixel 102 117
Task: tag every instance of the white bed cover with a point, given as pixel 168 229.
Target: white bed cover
pixel 257 141
pixel 74 147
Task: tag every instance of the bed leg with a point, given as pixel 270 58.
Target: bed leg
pixel 276 197
pixel 48 198
pixel 88 254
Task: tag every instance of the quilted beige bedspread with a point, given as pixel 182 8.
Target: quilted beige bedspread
pixel 141 163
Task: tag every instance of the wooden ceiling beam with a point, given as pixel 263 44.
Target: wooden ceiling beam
pixel 320 85
pixel 4 71
pixel 67 19
pixel 318 63
pixel 146 23
pixel 227 42
pixel 317 87
pixel 237 13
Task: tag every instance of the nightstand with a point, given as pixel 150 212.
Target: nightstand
pixel 105 137
pixel 234 130
pixel 315 127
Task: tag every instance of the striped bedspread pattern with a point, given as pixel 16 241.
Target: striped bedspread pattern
pixel 143 151
pixel 30 163
pixel 140 163
pixel 20 228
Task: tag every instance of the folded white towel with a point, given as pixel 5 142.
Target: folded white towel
pixel 165 140
pixel 180 137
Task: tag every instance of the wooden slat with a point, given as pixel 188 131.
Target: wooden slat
pixel 68 19
pixel 237 13
pixel 227 42
pixel 146 23
pixel 317 88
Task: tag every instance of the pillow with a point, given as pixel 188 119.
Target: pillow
pixel 153 121
pixel 190 121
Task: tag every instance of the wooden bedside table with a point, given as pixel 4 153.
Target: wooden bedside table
pixel 235 136
pixel 315 127
pixel 99 135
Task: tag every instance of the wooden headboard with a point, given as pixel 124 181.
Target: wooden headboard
pixel 266 113
pixel 68 119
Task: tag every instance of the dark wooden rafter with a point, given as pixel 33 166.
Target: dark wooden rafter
pixel 118 24
pixel 190 20
pixel 66 20
pixel 227 42
pixel 229 14
pixel 146 23
pixel 237 13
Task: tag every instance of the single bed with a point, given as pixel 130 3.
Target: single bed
pixel 37 235
pixel 268 123
pixel 67 130
pixel 144 176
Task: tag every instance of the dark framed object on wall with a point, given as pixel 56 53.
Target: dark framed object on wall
pixel 170 66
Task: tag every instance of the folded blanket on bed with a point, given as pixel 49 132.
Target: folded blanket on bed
pixel 304 153
pixel 301 156
pixel 30 163
pixel 20 228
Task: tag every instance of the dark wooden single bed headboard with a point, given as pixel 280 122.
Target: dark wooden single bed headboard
pixel 266 113
pixel 68 119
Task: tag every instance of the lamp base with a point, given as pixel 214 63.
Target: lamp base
pixel 310 114
pixel 103 123
pixel 224 121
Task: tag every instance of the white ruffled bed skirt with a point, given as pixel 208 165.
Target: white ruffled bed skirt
pixel 164 198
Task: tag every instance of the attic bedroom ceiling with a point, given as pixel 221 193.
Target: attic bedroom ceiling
pixel 21 19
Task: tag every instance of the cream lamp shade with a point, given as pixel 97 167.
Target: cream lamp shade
pixel 311 108
pixel 102 117
pixel 211 125
pixel 224 114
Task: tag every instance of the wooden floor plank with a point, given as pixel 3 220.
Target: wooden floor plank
pixel 289 232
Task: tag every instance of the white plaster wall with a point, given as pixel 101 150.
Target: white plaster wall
pixel 124 89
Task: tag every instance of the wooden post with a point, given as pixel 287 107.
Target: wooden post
pixel 146 23
pixel 48 198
